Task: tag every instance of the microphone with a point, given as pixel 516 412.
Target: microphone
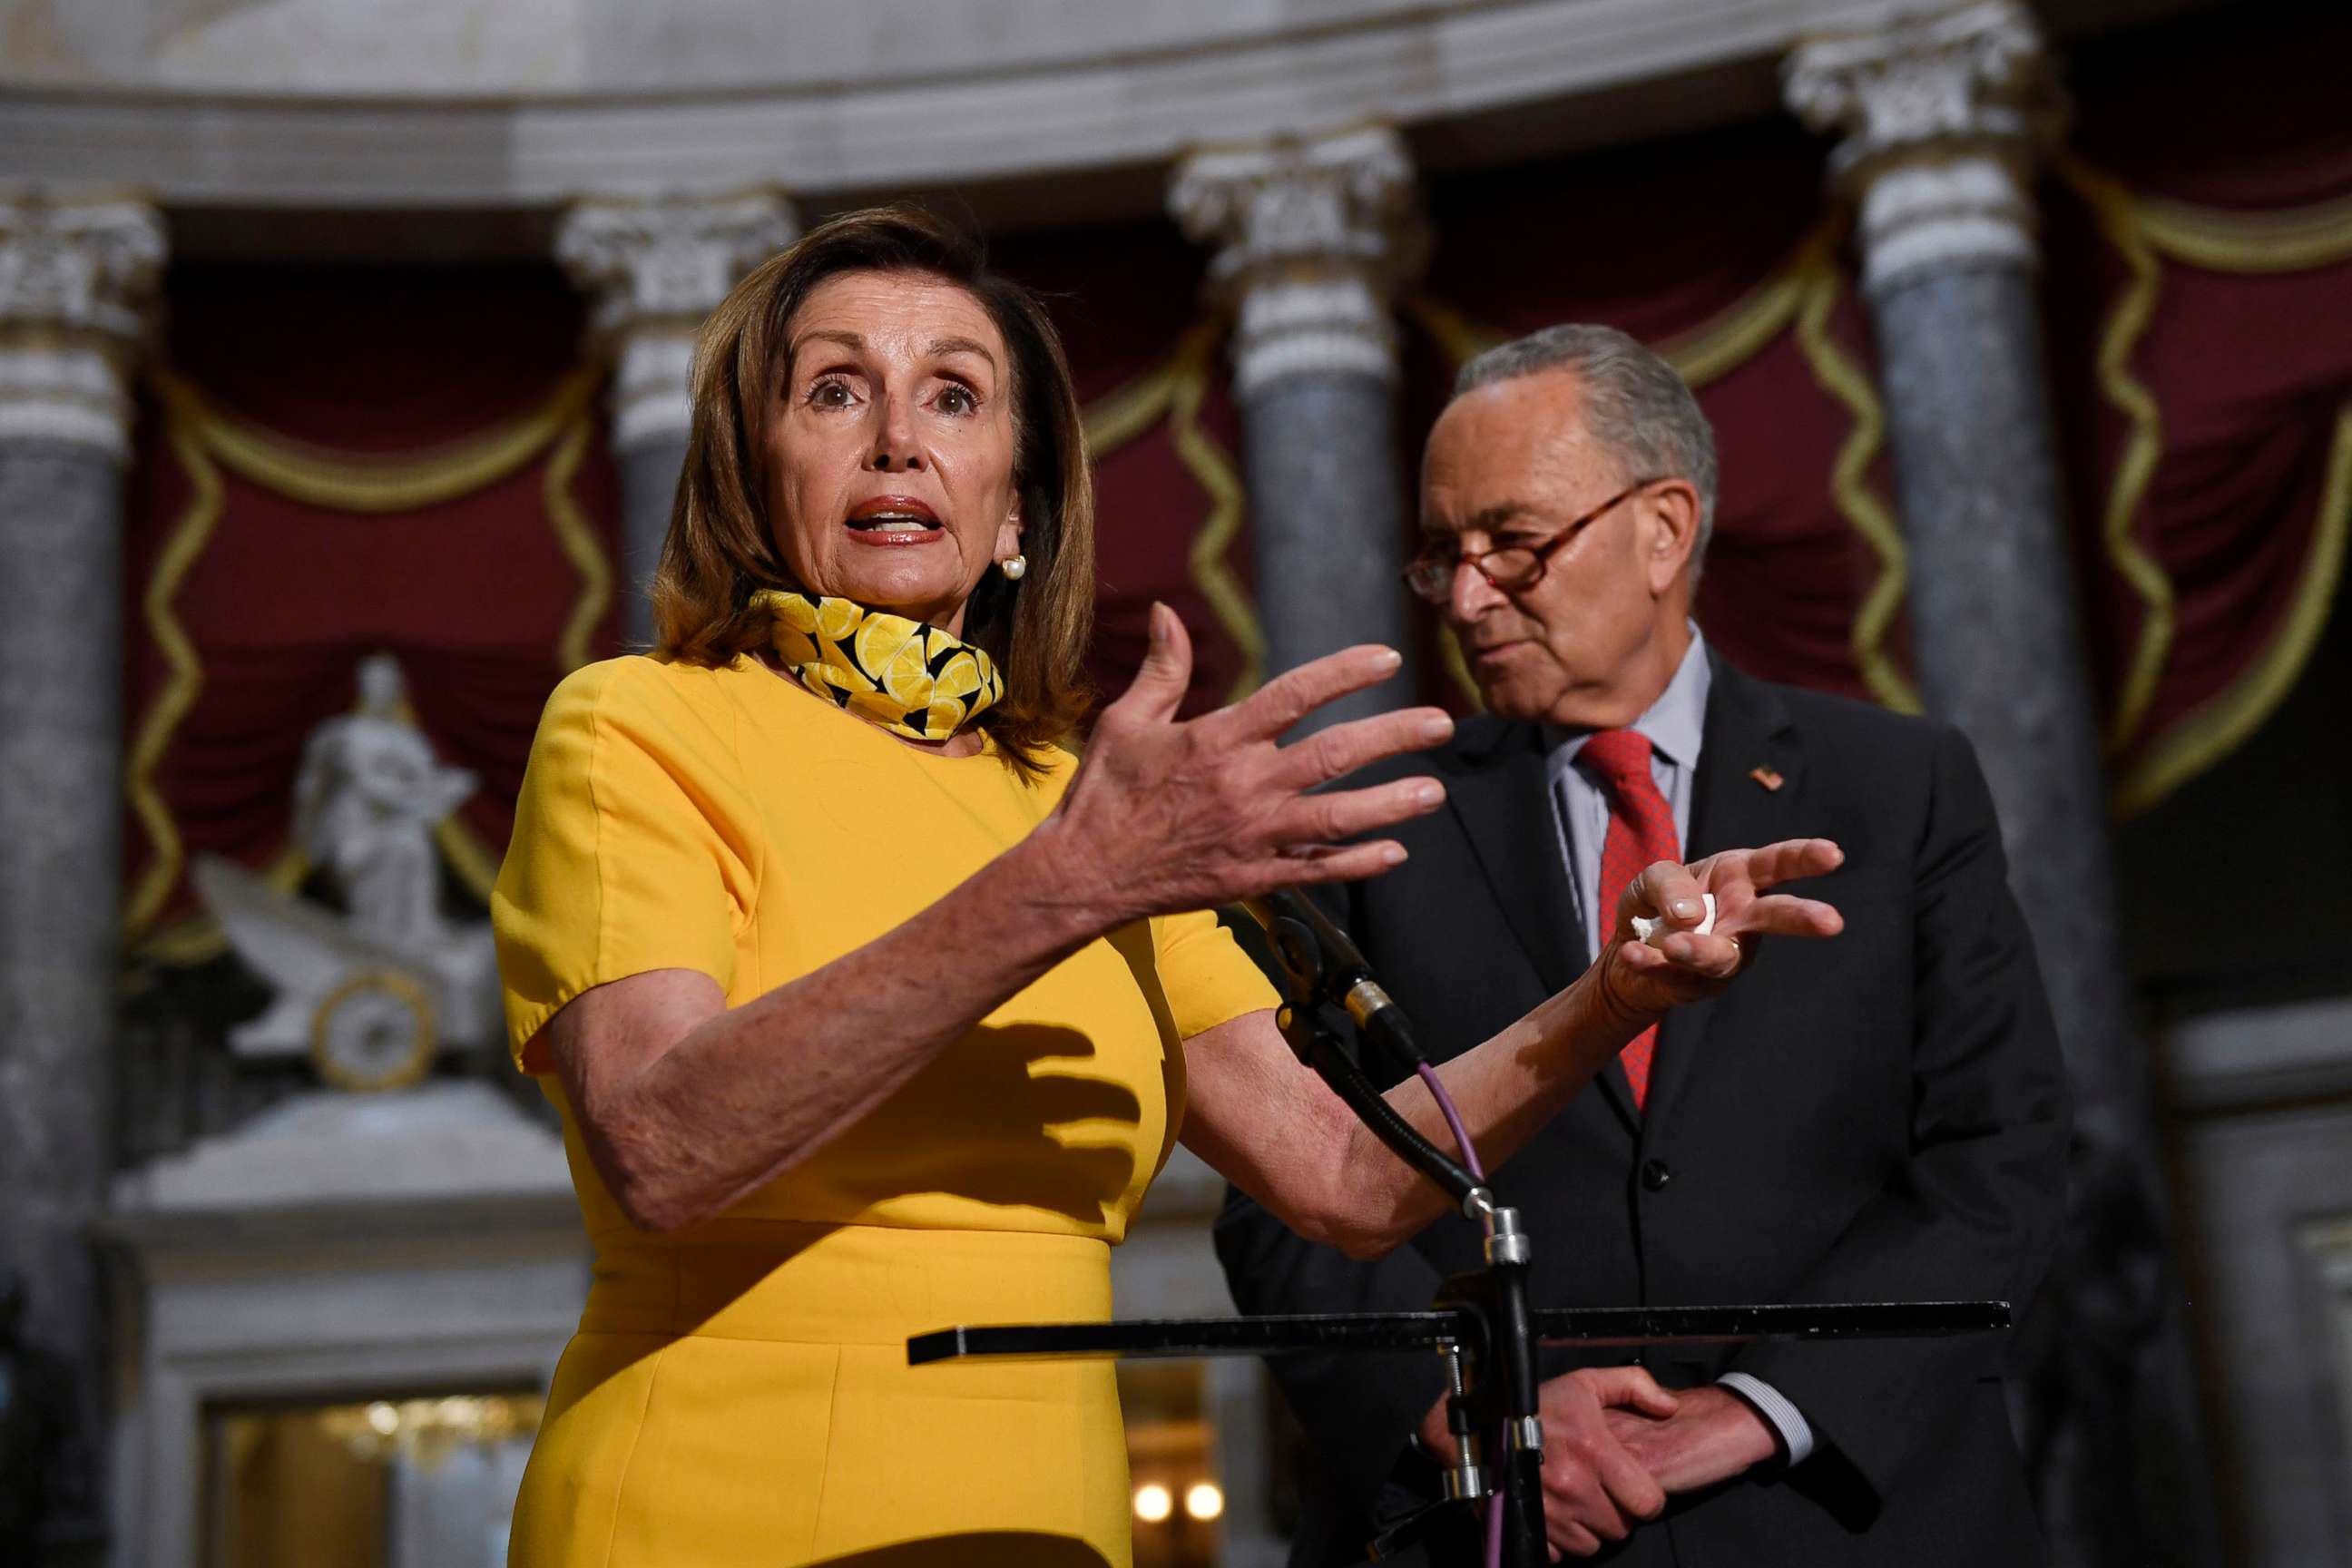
pixel 1325 964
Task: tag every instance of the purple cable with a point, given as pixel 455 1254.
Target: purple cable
pixel 1452 1117
pixel 1470 1158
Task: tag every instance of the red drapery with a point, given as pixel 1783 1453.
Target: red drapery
pixel 1720 252
pixel 2200 299
pixel 2196 289
pixel 251 606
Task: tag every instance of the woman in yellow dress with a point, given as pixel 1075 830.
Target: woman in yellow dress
pixel 869 1010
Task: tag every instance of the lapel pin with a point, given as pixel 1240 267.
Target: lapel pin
pixel 1769 779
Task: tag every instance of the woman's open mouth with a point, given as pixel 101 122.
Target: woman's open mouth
pixel 894 521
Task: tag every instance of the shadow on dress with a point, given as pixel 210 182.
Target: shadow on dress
pixel 1021 1097
pixel 976 1548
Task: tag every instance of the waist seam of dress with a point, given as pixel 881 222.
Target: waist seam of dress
pixel 824 1464
pixel 636 1439
pixel 673 1335
pixel 688 1247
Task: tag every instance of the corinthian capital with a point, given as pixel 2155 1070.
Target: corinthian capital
pixel 1313 238
pixel 1970 77
pixel 656 269
pixel 1941 115
pixel 75 278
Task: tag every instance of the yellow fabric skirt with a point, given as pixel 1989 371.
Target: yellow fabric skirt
pixel 744 1398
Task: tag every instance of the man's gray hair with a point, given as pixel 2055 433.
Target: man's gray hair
pixel 1635 406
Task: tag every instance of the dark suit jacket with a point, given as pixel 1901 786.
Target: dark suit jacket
pixel 1878 1117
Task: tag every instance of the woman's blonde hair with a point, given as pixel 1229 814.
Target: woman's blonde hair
pixel 720 548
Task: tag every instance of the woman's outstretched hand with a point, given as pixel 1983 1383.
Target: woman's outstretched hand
pixel 1167 815
pixel 1640 981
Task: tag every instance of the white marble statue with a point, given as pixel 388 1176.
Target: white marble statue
pixel 366 803
pixel 370 992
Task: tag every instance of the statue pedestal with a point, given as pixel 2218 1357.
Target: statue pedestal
pixel 339 1246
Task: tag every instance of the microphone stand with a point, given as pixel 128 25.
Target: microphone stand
pixel 1491 1374
pixel 1481 1322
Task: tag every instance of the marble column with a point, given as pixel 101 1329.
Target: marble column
pixel 1942 115
pixel 656 269
pixel 75 276
pixel 1313 239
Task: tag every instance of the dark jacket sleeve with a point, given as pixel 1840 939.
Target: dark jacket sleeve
pixel 1359 1411
pixel 1978 1213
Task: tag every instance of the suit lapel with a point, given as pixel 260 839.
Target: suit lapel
pixel 1748 727
pixel 1503 802
pixel 1503 799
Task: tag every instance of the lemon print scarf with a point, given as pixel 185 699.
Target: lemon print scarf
pixel 913 679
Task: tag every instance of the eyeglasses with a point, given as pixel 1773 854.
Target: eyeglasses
pixel 1514 568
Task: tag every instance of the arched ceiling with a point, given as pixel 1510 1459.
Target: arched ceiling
pixel 501 104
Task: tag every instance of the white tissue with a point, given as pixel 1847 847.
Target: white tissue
pixel 1655 932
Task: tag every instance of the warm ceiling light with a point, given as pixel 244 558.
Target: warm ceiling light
pixel 1153 1502
pixel 1203 1500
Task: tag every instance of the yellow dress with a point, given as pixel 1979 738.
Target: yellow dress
pixel 738 1391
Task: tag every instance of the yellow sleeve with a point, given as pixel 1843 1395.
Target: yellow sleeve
pixel 1206 977
pixel 624 857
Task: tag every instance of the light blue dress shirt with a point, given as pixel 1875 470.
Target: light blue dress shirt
pixel 1677 726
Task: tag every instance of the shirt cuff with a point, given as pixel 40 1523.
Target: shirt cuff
pixel 1796 1433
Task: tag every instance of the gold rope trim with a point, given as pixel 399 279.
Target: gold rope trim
pixel 1212 469
pixel 468 856
pixel 203 437
pixel 199 938
pixel 2294 239
pixel 342 483
pixel 1121 416
pixel 1740 332
pixel 1850 478
pixel 1457 668
pixel 577 537
pixel 2221 239
pixel 2142 449
pixel 1458 338
pixel 1706 352
pixel 1800 291
pixel 2218 726
pixel 181 550
pixel 1173 391
pixel 2141 229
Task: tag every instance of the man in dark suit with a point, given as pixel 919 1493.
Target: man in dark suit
pixel 1880 1117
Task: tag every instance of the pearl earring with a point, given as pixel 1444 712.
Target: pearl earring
pixel 1014 567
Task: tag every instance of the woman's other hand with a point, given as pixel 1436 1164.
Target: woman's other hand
pixel 1167 815
pixel 1640 981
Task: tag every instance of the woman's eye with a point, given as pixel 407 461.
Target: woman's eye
pixel 958 400
pixel 830 395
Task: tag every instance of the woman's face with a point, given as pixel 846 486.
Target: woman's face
pixel 889 446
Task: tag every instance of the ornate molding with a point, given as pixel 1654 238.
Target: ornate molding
pixel 1942 114
pixel 1313 239
pixel 656 267
pixel 76 279
pixel 602 96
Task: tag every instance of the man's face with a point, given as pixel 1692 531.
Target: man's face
pixel 1511 464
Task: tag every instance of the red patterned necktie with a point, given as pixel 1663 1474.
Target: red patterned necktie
pixel 1641 832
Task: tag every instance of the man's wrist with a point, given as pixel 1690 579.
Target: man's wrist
pixel 1792 1435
